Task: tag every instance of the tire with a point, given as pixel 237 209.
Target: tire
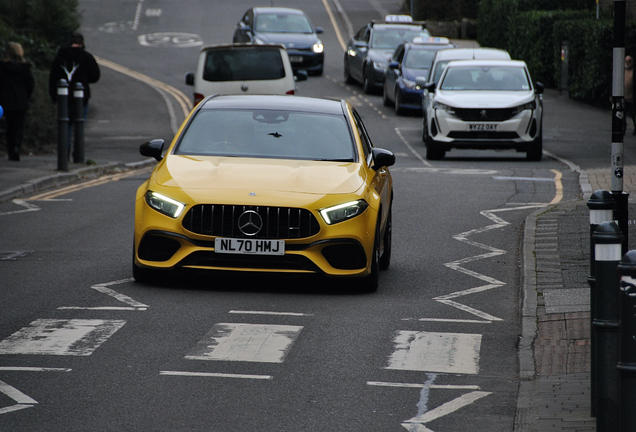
pixel 366 83
pixel 385 258
pixel 433 150
pixel 347 76
pixel 142 274
pixel 385 97
pixel 535 150
pixel 398 106
pixel 369 284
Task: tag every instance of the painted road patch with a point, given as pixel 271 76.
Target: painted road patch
pixel 77 337
pixel 436 352
pixel 246 342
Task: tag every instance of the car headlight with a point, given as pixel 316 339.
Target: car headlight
pixel 441 106
pixel 343 212
pixel 317 48
pixel 164 205
pixel 379 65
pixel 530 105
pixel 409 84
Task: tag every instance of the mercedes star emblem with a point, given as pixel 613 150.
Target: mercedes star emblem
pixel 250 223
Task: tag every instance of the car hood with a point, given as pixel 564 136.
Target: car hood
pixel 483 99
pixel 379 55
pixel 200 176
pixel 412 73
pixel 290 40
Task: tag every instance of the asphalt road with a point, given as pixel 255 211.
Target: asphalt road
pixel 83 347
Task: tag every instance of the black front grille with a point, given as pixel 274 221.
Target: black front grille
pixel 484 135
pixel 278 222
pixel 484 115
pixel 297 263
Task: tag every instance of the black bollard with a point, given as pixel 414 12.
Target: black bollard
pixel 62 125
pixel 607 239
pixel 627 343
pixel 78 122
pixel 601 205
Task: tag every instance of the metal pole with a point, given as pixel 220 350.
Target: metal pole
pixel 627 345
pixel 601 205
pixel 62 125
pixel 78 123
pixel 618 121
pixel 607 250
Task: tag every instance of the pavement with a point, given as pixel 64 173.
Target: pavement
pixel 554 348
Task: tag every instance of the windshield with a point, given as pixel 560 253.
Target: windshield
pixel 419 59
pixel 503 78
pixel 391 38
pixel 268 134
pixel 282 23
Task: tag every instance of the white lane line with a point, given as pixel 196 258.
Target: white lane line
pixel 28 207
pixel 453 171
pixel 406 143
pixel 269 313
pixel 417 385
pixel 104 288
pixel 23 401
pixel 436 352
pixel 33 369
pixel 524 178
pixel 214 375
pixel 77 337
pixel 444 409
pixel 450 320
pixel 246 342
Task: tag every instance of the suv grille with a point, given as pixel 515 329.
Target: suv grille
pixel 278 222
pixel 485 115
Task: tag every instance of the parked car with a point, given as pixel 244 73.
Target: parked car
pixel 369 50
pixel 272 184
pixel 484 104
pixel 409 61
pixel 242 69
pixel 288 27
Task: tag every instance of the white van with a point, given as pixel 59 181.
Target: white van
pixel 243 69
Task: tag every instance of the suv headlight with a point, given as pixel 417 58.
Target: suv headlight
pixel 530 105
pixel 379 65
pixel 318 47
pixel 164 205
pixel 441 106
pixel 343 212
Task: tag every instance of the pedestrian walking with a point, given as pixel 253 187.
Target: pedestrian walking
pixel 16 87
pixel 75 65
pixel 629 93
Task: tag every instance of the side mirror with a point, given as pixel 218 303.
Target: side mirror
pixel 382 158
pixel 394 65
pixel 319 30
pixel 153 148
pixel 539 87
pixel 189 78
pixel 430 86
pixel 301 75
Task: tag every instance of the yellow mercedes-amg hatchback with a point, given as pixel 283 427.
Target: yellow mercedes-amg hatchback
pixel 280 184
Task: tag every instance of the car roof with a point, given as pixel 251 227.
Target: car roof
pixel 396 25
pixel 512 63
pixel 276 102
pixel 240 45
pixel 471 53
pixel 277 10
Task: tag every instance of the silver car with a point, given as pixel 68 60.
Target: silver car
pixel 484 104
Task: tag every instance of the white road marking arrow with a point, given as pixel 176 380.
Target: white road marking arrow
pixel 416 424
pixel 23 401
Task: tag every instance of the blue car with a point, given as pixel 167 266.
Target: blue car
pixel 288 27
pixel 409 61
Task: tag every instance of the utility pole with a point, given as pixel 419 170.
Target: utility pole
pixel 618 120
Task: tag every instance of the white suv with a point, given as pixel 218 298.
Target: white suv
pixel 243 69
pixel 484 104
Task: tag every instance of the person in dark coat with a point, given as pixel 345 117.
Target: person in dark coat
pixel 16 87
pixel 75 65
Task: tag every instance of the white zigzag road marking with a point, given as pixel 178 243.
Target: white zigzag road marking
pixel 492 252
